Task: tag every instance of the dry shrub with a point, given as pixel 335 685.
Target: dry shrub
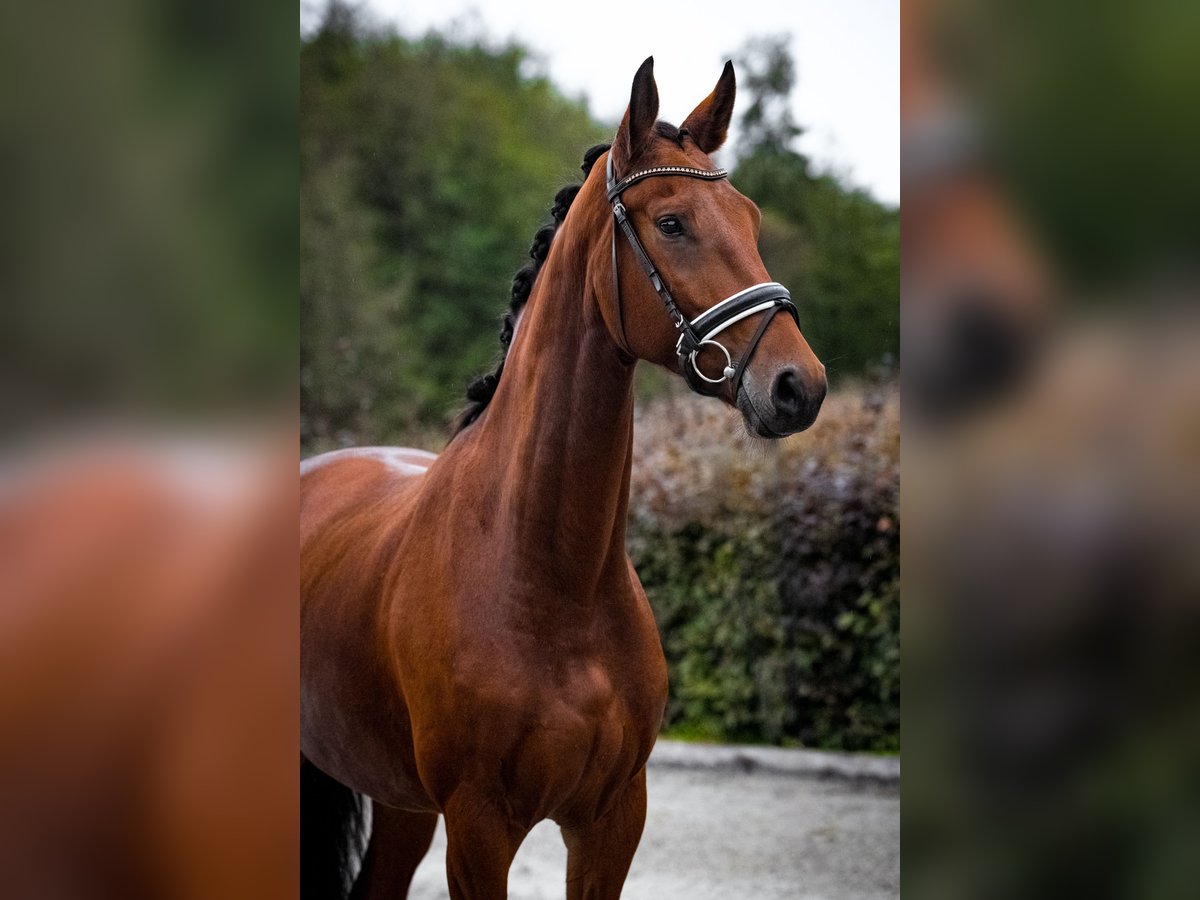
pixel 773 569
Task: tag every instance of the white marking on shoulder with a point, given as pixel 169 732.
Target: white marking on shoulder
pixel 405 460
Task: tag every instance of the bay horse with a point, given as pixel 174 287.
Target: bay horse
pixel 474 640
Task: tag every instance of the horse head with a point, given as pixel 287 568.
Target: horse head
pixel 691 292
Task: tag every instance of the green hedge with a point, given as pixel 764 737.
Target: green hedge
pixel 774 571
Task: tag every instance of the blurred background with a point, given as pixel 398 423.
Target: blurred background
pixel 1051 413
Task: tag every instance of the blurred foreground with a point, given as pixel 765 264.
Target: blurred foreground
pixel 148 667
pixel 148 625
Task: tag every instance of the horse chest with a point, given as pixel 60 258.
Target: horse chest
pixel 547 737
pixel 580 739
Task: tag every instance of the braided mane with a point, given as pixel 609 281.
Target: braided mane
pixel 482 388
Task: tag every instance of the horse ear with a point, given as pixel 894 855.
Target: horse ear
pixel 709 122
pixel 641 114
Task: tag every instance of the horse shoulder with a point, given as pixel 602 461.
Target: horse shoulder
pixel 343 481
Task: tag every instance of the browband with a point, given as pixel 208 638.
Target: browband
pixel 614 190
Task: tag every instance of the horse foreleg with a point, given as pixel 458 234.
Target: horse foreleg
pixel 599 853
pixel 399 840
pixel 481 842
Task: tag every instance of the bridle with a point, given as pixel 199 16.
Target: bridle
pixel 769 297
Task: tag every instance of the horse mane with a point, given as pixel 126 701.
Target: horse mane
pixel 482 388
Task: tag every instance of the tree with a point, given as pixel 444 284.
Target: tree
pixel 837 247
pixel 426 167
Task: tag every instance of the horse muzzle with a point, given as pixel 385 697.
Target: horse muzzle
pixel 790 405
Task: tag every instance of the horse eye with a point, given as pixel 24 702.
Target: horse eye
pixel 670 225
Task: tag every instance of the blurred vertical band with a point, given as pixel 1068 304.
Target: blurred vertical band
pixel 148 356
pixel 148 251
pixel 1051 381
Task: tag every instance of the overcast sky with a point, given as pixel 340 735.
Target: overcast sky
pixel 847 55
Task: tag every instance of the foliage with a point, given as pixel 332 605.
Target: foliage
pixel 767 76
pixel 774 572
pixel 425 167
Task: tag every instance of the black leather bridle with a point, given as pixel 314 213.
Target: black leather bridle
pixel 768 297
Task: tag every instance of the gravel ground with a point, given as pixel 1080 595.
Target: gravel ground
pixel 731 835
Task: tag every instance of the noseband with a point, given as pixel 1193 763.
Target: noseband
pixel 769 297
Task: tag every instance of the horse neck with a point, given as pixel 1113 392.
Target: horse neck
pixel 559 432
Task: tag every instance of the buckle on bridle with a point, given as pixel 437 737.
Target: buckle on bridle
pixel 765 299
pixel 728 372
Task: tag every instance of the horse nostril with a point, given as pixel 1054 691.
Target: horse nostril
pixel 796 401
pixel 788 395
